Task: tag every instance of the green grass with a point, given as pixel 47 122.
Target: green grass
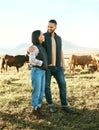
pixel 15 102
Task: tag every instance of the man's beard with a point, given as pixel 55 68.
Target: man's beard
pixel 51 31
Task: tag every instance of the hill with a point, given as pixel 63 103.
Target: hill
pixel 70 48
pixel 67 46
pixel 20 49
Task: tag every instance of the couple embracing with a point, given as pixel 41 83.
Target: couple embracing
pixel 46 58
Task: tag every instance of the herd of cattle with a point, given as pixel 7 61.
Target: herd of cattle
pixel 91 61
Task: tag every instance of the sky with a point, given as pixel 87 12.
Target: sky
pixel 78 20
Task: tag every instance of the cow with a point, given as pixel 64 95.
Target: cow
pixel 81 60
pixel 17 61
pixel 7 60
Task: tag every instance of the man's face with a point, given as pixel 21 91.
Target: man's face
pixel 51 27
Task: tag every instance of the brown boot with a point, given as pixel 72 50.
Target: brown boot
pixel 34 112
pixel 37 112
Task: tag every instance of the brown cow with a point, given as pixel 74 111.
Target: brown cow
pixel 7 60
pixel 81 60
pixel 17 61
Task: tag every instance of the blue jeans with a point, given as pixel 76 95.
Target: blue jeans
pixel 58 74
pixel 38 86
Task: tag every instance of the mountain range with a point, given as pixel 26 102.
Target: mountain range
pixel 67 47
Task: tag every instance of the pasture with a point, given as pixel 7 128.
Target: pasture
pixel 15 102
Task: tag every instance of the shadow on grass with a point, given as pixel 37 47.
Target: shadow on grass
pixel 85 120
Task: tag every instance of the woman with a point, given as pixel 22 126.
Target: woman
pixel 38 60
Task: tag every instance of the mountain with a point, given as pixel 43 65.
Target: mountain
pixel 67 47
pixel 21 49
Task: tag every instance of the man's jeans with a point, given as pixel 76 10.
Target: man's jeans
pixel 58 73
pixel 38 86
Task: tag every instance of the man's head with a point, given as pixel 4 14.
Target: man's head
pixel 52 25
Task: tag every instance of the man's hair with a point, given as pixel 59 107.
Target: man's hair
pixel 53 21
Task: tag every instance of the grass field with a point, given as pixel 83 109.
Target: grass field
pixel 15 102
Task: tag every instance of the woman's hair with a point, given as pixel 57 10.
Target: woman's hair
pixel 35 36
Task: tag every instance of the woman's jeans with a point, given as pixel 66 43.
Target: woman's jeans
pixel 58 74
pixel 38 86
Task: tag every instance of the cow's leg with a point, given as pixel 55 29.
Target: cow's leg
pixel 83 67
pixel 17 68
pixel 70 66
pixel 6 67
pixel 2 65
pixel 74 67
pixel 1 68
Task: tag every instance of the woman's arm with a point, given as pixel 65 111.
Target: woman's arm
pixel 33 50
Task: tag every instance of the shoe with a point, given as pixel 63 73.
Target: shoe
pixel 37 112
pixel 68 110
pixel 52 109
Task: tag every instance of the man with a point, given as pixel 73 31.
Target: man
pixel 53 46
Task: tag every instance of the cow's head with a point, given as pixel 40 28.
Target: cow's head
pixel 27 58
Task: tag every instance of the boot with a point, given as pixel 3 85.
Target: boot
pixel 37 112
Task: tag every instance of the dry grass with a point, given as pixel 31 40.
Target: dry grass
pixel 15 102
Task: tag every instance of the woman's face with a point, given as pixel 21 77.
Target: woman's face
pixel 41 38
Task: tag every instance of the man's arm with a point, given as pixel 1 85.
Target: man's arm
pixel 62 60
